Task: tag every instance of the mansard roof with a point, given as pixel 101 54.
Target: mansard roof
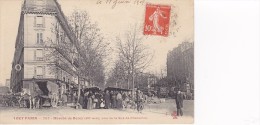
pixel 39 7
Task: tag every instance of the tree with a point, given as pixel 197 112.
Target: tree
pixel 118 75
pixel 135 56
pixel 92 44
pixel 85 58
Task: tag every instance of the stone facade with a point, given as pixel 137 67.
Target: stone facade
pixel 33 49
pixel 180 66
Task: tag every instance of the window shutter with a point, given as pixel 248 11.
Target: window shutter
pixel 34 22
pixel 34 71
pixel 43 21
pixel 43 54
pixel 41 40
pixel 34 54
pixel 43 71
pixel 37 38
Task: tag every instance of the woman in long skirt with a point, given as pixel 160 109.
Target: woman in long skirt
pixel 107 100
pixel 89 105
pixel 114 100
pixel 119 100
pixel 85 100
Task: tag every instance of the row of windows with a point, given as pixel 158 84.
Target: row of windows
pixel 39 22
pixel 60 37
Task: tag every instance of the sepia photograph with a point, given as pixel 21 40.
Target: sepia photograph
pixel 97 61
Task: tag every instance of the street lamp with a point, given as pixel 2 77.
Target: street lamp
pixel 33 83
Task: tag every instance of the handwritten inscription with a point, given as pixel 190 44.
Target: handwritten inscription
pixel 115 3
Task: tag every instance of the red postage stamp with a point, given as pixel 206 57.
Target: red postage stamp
pixel 157 18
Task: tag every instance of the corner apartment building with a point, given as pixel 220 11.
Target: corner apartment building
pixel 31 67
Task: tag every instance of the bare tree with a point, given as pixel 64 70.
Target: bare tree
pixel 118 75
pixel 86 57
pixel 135 56
pixel 91 42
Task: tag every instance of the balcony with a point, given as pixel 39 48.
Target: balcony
pixel 39 26
pixel 39 58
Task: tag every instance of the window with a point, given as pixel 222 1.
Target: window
pixel 62 37
pixel 39 71
pixel 39 21
pixel 39 38
pixel 39 54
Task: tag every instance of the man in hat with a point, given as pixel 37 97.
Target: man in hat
pixel 139 99
pixel 107 100
pixel 179 103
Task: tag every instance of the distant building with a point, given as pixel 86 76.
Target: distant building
pixel 152 80
pixel 146 81
pixel 180 66
pixel 7 83
pixel 31 67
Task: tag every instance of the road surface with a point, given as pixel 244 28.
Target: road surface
pixel 153 113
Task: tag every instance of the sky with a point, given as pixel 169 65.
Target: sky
pixel 113 20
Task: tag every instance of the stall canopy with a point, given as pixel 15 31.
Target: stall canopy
pixel 93 89
pixel 116 89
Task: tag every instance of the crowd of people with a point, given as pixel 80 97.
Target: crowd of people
pixel 113 99
pixel 108 99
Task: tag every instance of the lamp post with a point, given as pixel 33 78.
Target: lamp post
pixel 78 79
pixel 33 84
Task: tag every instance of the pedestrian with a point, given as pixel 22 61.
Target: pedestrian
pixel 81 101
pixel 125 100
pixel 102 103
pixel 145 98
pixel 124 95
pixel 64 99
pixel 107 100
pixel 70 97
pixel 98 100
pixel 119 100
pixel 89 105
pixel 74 97
pixel 53 99
pixel 85 100
pixel 94 101
pixel 179 103
pixel 139 100
pixel 114 99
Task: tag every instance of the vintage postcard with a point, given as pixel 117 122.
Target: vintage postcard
pixel 97 61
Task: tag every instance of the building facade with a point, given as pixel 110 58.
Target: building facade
pixel 180 66
pixel 41 28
